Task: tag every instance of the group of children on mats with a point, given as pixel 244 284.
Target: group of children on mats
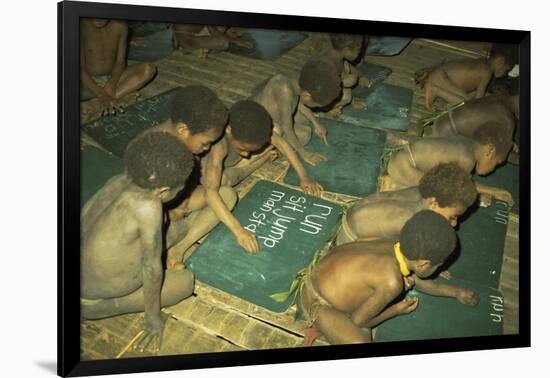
pixel 180 176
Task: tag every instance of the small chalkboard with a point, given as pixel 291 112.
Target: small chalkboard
pixel 268 44
pixel 481 245
pixel 440 317
pixel 290 227
pixel 376 75
pixel 96 168
pixel 116 131
pixel 386 46
pixel 353 159
pixel 388 108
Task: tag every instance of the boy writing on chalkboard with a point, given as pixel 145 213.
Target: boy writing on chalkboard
pixel 458 81
pixel 103 71
pixel 446 189
pixel 488 148
pixel 289 101
pixel 122 238
pixel 351 289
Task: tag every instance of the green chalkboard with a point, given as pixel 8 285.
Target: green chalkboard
pixel 115 132
pixel 353 159
pixel 481 245
pixel 268 44
pixel 386 46
pixel 388 108
pixel 376 75
pixel 290 227
pixel 440 317
pixel 504 177
pixel 96 168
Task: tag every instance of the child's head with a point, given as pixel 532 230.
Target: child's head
pixel 502 58
pixel 349 45
pixel 320 84
pixel 250 127
pixel 198 117
pixel 449 190
pixel 157 161
pixel 492 145
pixel 427 240
pixel 99 22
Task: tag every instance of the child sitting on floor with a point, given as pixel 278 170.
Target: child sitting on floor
pixel 458 81
pixel 350 290
pixel 289 101
pixel 446 189
pixel 488 148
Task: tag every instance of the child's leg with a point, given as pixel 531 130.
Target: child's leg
pixel 177 286
pixel 134 77
pixel 338 328
pixel 183 233
pixel 302 128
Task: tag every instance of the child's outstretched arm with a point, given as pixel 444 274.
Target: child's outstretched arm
pixel 319 129
pixel 308 185
pixel 500 194
pixel 371 312
pixel 463 295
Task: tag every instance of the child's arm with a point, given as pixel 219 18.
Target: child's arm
pixel 87 81
pixel 211 179
pixel 463 295
pixel 149 216
pixel 371 311
pixel 308 185
pixel 486 77
pixel 319 129
pixel 349 76
pixel 120 62
pixel 406 306
pixel 500 194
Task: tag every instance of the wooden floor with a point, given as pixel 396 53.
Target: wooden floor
pixel 212 320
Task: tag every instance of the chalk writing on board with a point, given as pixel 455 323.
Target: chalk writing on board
pixel 497 304
pixel 290 211
pixel 501 216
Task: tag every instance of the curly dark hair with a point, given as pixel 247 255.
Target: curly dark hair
pixel 321 80
pixel 158 159
pixel 493 133
pixel 449 184
pixel 427 236
pixel 199 108
pixel 250 122
pixel 509 52
pixel 341 41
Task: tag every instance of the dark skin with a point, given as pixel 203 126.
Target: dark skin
pixel 360 280
pixel 103 53
pixel 429 152
pixel 120 254
pixel 458 81
pixel 290 109
pixel 468 118
pixel 383 215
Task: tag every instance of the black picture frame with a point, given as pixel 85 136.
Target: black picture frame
pixel 69 363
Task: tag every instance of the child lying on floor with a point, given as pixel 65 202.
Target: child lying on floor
pixel 446 189
pixel 350 290
pixel 458 81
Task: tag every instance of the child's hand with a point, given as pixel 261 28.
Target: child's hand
pixel 321 132
pixel 446 274
pixel 467 297
pixel 505 196
pixel 152 333
pixel 312 158
pixel 485 200
pixel 247 240
pixel 335 112
pixel 364 81
pixel 407 305
pixel 310 186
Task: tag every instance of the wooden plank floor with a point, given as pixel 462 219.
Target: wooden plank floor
pixel 212 320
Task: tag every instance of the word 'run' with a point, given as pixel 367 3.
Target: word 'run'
pixel 287 210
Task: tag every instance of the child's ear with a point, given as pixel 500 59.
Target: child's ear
pixel 182 129
pixel 423 263
pixel 161 192
pixel 500 62
pixel 432 203
pixel 228 130
pixel 490 149
pixel 306 95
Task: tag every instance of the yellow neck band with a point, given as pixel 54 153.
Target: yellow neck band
pixel 401 260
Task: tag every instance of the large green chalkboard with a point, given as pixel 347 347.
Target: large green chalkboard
pixel 115 132
pixel 268 44
pixel 386 46
pixel 504 177
pixel 388 108
pixel 353 162
pixel 376 75
pixel 481 245
pixel 440 317
pixel 96 168
pixel 290 227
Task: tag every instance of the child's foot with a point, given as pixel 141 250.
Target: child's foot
pixel 310 334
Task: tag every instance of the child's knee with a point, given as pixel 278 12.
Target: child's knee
pixel 149 70
pixel 181 285
pixel 229 196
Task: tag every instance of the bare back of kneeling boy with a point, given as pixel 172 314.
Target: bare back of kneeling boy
pixel 351 289
pixel 121 238
pixel 488 148
pixel 446 189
